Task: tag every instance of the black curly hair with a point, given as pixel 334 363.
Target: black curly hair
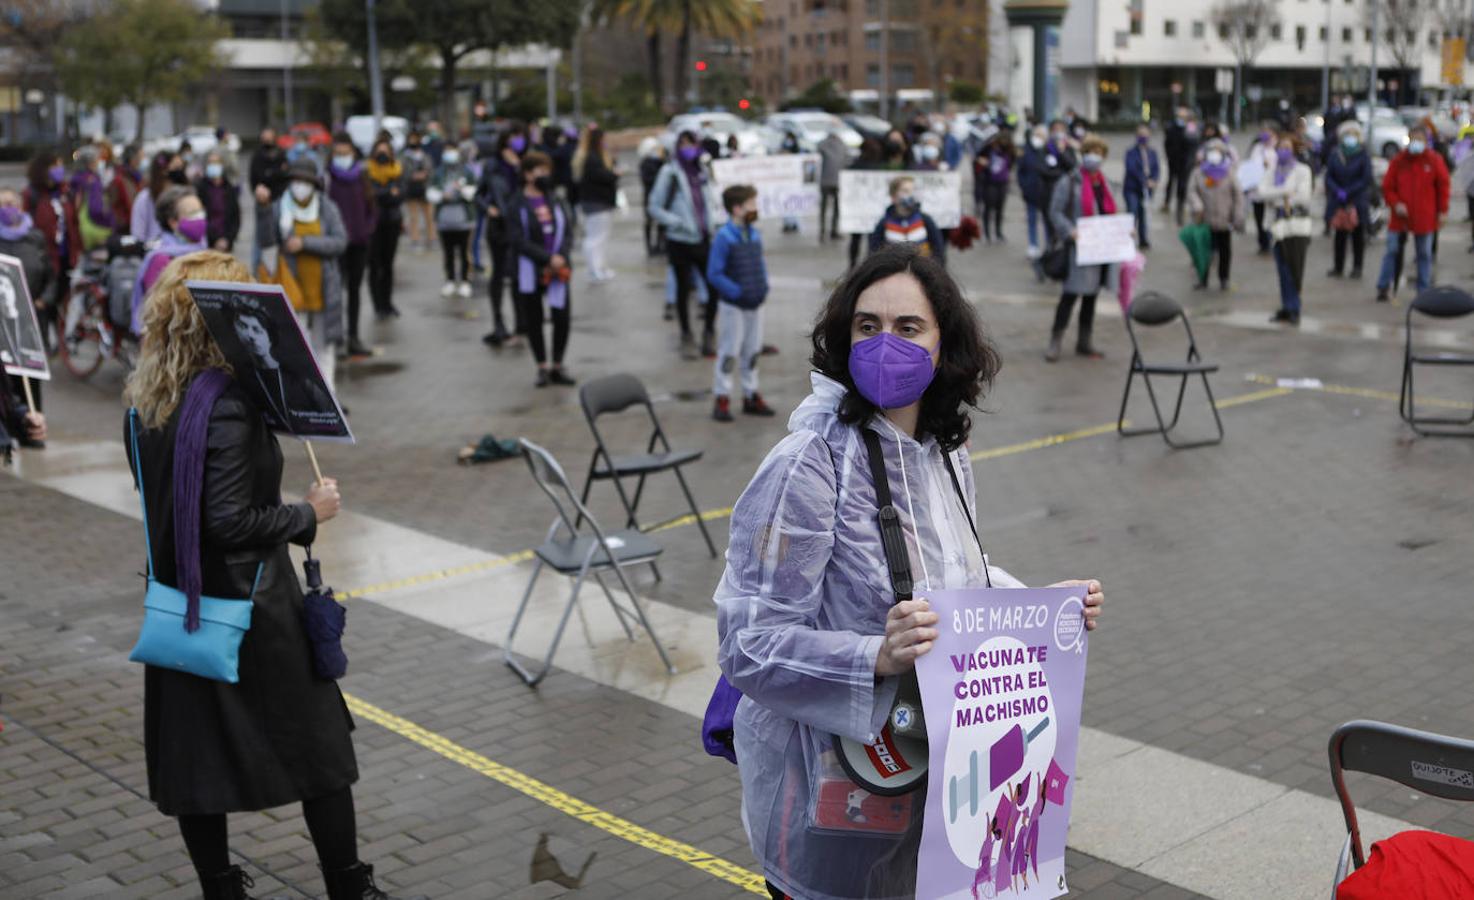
pixel 967 363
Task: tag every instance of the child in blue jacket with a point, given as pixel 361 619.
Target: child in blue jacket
pixel 739 278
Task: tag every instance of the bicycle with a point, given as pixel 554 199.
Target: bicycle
pixel 87 334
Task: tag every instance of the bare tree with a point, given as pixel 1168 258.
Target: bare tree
pixel 1403 24
pixel 1245 26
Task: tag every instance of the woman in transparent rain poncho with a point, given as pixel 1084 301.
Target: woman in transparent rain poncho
pixel 810 633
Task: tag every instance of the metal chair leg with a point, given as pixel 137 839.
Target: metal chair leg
pixel 696 512
pixel 619 611
pixel 640 609
pixel 1125 397
pixel 522 607
pixel 527 676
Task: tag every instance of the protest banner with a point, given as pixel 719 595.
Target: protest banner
pixel 864 195
pixel 787 183
pixel 264 343
pixel 22 350
pixel 1104 239
pixel 1001 690
pixel 1250 173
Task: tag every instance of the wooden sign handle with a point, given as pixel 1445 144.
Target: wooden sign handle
pixel 312 455
pixel 30 399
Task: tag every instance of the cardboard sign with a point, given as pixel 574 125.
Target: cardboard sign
pixel 264 343
pixel 787 183
pixel 1001 688
pixel 22 349
pixel 864 195
pixel 1104 239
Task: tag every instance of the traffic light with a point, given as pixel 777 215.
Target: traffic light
pixel 701 65
pixel 743 104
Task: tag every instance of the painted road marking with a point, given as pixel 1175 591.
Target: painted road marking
pixel 1316 386
pixel 1053 440
pixel 548 795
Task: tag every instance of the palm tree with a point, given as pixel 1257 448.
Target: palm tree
pixel 717 18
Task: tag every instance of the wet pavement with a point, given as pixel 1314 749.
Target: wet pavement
pixel 1307 571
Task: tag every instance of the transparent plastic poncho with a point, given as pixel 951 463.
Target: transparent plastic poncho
pixel 801 614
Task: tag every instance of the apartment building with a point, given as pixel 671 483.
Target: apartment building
pixel 1120 58
pixel 931 44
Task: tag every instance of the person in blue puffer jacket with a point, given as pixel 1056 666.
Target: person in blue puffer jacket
pixel 739 276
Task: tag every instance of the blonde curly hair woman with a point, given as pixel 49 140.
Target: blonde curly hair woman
pixel 280 734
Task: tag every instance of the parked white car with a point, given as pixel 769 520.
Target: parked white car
pixel 810 127
pixel 1388 131
pixel 361 131
pixel 201 140
pixel 718 125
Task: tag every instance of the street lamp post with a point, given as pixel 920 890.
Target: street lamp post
pixel 885 58
pixel 1325 71
pixel 376 78
pixel 286 69
pixel 1372 75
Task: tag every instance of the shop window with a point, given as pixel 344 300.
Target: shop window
pixel 1169 28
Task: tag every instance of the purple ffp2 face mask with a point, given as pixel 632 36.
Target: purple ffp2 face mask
pixel 889 371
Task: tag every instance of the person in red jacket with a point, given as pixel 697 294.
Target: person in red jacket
pixel 1416 191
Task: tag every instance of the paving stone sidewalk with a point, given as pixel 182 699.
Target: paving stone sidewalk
pixel 75 822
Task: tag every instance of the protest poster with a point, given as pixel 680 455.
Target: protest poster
pixel 1250 173
pixel 22 349
pixel 787 183
pixel 1001 690
pixel 264 343
pixel 1105 239
pixel 864 195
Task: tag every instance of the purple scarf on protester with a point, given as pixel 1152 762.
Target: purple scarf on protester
pixel 1218 172
pixel 1282 172
pixel 189 483
pixel 170 246
pixel 527 275
pixel 14 224
pixel 698 198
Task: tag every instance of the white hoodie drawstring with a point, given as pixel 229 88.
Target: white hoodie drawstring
pixel 910 508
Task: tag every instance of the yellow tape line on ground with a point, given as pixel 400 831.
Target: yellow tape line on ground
pixel 1366 393
pixel 547 794
pixel 437 575
pixel 711 515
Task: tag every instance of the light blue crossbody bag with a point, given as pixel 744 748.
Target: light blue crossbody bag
pixel 210 651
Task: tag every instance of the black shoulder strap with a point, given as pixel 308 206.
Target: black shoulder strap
pixel 892 536
pixel 962 498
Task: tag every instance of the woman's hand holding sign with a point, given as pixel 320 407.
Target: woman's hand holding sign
pixel 908 635
pixel 324 499
pixel 1094 598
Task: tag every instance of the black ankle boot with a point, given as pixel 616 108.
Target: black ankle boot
pixel 357 883
pixel 228 885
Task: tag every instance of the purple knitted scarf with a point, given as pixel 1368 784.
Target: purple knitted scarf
pixel 189 482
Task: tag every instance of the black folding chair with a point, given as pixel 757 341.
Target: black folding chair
pixel 1441 302
pixel 1152 309
pixel 614 394
pixel 1434 764
pixel 578 556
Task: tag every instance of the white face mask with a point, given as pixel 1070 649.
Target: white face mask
pixel 930 152
pixel 343 162
pixel 450 157
pixel 1215 157
pixel 302 191
pixel 1037 143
